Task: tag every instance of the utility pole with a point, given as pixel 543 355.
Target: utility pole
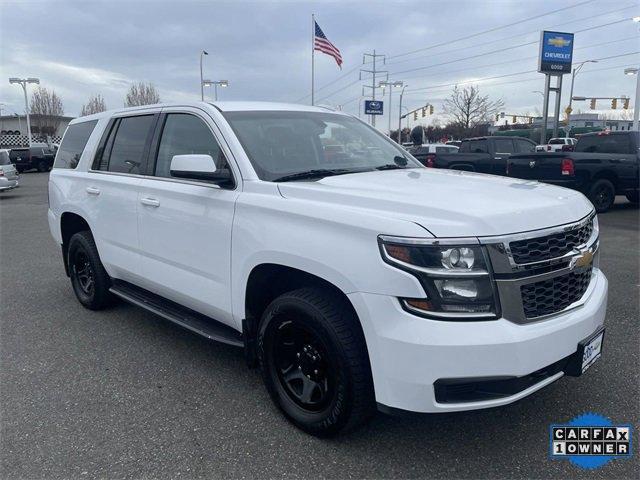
pixel 373 73
pixel 202 53
pixel 400 116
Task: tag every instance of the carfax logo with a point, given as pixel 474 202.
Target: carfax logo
pixel 590 441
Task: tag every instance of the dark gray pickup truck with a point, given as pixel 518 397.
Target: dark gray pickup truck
pixel 479 154
pixel 602 165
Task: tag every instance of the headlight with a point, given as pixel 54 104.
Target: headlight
pixel 456 277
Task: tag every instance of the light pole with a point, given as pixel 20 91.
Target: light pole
pixel 384 84
pixel 202 54
pixel 400 116
pixel 636 107
pixel 575 72
pixel 23 83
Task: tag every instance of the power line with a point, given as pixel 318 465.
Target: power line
pixel 349 72
pixel 484 32
pixel 482 54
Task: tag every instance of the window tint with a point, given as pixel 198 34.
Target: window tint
pixel 504 145
pixel 478 146
pixel 73 143
pixel 446 149
pixel 185 134
pixel 127 153
pixel 557 141
pixel 604 144
pixel 522 146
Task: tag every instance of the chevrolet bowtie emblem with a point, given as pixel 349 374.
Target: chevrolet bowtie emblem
pixel 582 260
pixel 558 42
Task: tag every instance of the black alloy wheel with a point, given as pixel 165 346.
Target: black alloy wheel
pixel 89 279
pixel 314 361
pixel 302 365
pixel 81 269
pixel 602 194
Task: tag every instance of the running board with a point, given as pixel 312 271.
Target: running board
pixel 176 313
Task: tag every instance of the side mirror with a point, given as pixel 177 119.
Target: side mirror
pixel 201 167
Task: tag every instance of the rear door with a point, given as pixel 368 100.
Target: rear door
pixel 185 224
pixel 503 148
pixel 111 192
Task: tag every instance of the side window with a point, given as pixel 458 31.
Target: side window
pixel 73 143
pixel 478 146
pixel 522 146
pixel 504 145
pixel 126 145
pixel 185 134
pixel 465 147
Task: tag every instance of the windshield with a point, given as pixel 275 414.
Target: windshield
pixel 280 144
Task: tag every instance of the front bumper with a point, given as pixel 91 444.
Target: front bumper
pixel 409 354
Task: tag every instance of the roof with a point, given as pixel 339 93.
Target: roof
pixel 221 106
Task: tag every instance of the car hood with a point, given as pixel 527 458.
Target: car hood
pixel 448 203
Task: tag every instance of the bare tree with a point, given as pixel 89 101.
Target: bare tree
pixel 95 104
pixel 46 110
pixel 141 94
pixel 467 108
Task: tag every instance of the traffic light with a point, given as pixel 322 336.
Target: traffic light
pixel 424 111
pixel 514 119
pixel 415 115
pixel 430 109
pixel 497 117
pixel 593 104
pixel 614 104
pixel 625 104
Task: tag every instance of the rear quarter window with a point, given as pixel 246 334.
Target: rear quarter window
pixel 604 144
pixel 73 143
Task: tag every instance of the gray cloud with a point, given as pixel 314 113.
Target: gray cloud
pixel 83 47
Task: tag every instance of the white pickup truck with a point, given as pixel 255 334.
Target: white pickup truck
pixel 354 277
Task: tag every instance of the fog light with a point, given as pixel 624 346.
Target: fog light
pixel 457 289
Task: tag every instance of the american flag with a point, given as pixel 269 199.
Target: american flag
pixel 323 45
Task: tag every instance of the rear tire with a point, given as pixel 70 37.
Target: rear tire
pixel 314 361
pixel 633 197
pixel 602 194
pixel 42 166
pixel 89 279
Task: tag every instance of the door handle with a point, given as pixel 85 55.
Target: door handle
pixel 151 202
pixel 93 191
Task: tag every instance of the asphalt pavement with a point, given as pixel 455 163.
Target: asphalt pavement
pixel 122 393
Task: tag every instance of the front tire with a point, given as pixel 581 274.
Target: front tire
pixel 89 279
pixel 314 361
pixel 602 194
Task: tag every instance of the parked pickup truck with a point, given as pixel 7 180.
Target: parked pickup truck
pixel 481 154
pixel 356 280
pixel 603 165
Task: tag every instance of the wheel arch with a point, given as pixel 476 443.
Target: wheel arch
pixel 70 224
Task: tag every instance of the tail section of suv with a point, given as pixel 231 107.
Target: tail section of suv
pixel 38 157
pixel 354 277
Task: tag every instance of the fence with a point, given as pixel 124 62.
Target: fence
pixel 15 141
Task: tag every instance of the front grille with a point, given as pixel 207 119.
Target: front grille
pixel 550 246
pixel 553 295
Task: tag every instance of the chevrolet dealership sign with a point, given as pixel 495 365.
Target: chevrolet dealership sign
pixel 556 53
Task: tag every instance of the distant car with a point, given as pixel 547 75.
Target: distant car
pixel 558 145
pixel 455 143
pixel 39 157
pixel 433 148
pixel 8 174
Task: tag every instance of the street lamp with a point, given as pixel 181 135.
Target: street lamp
pixel 383 84
pixel 575 72
pixel 400 116
pixel 202 54
pixel 23 83
pixel 636 108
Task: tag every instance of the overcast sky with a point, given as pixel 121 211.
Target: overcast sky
pixel 79 48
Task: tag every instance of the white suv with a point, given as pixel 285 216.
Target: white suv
pixel 354 277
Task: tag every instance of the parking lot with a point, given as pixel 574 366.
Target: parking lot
pixel 122 393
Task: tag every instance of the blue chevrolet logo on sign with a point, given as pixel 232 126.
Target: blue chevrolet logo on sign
pixel 373 107
pixel 556 52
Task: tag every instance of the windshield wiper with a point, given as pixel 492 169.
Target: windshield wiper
pixel 316 173
pixel 390 166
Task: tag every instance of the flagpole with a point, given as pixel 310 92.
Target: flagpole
pixel 313 52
